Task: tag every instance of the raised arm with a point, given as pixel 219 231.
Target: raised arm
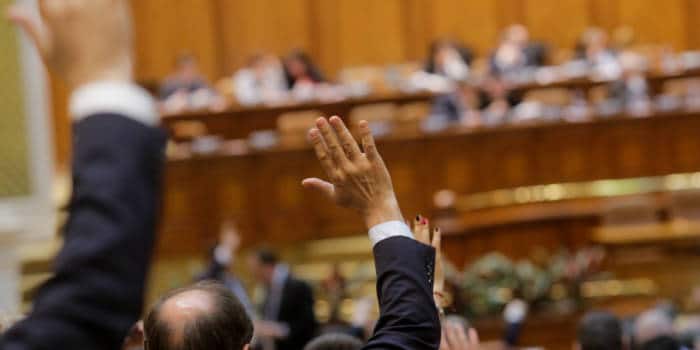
pixel 96 293
pixel 361 181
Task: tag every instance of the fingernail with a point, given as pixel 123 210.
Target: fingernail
pixel 436 230
pixel 424 221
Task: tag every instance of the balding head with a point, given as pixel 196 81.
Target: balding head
pixel 203 316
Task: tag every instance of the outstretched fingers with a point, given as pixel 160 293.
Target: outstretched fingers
pixel 368 142
pixel 350 147
pixel 331 140
pixel 322 152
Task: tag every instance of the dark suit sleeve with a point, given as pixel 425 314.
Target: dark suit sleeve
pixel 96 293
pixel 302 321
pixel 408 317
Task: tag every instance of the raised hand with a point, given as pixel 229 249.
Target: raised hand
pixel 357 180
pixel 81 41
pixel 454 337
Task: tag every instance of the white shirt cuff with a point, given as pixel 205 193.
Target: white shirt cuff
pixel 389 229
pixel 123 98
pixel 222 255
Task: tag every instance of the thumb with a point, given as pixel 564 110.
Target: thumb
pixel 22 17
pixel 319 185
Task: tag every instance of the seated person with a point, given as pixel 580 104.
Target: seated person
pixel 599 331
pixel 186 87
pixel 261 81
pixel 301 74
pixel 449 60
pixel 186 78
pixel 653 329
pixel 516 53
pixel 461 106
pixel 631 91
pixel 594 48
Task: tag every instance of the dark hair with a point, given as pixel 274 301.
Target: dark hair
pixel 664 342
pixel 600 330
pixel 227 327
pixel 334 341
pixel 312 70
pixel 266 256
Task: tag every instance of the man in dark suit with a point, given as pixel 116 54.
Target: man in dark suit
pixel 96 293
pixel 405 267
pixel 288 318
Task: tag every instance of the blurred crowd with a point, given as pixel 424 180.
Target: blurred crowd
pixel 470 90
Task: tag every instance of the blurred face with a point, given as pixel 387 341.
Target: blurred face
pixel 188 70
pixel 261 272
pixel 296 67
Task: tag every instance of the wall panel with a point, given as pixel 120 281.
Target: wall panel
pixel 339 33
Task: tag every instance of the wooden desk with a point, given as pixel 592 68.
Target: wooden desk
pixel 261 189
pixel 239 121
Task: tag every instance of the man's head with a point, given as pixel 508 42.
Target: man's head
pixel 651 325
pixel 187 66
pixel 335 341
pixel 262 265
pixel 600 331
pixel 200 317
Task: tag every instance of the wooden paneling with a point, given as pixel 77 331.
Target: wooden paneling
pixel 338 33
pixel 555 22
pixel 249 27
pixel 657 22
pixel 262 188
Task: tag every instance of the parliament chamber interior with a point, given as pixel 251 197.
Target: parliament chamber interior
pixel 556 144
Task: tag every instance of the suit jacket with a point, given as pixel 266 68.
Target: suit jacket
pixel 296 311
pixel 96 293
pixel 408 317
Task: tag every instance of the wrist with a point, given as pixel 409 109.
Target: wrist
pixel 121 72
pixel 384 211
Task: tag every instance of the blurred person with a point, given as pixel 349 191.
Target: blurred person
pixel 498 102
pixel 185 80
pixel 199 317
pixel 360 180
pixel 263 80
pixel 461 106
pixel 288 318
pixel 222 259
pixel 300 70
pixel 599 330
pixel 631 91
pixel 96 292
pixel 449 60
pixel 456 337
pixel 653 329
pixel 594 48
pixel 335 288
pixel 516 52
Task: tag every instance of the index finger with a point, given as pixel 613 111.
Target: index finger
pixel 352 150
pixel 322 152
pixel 331 141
